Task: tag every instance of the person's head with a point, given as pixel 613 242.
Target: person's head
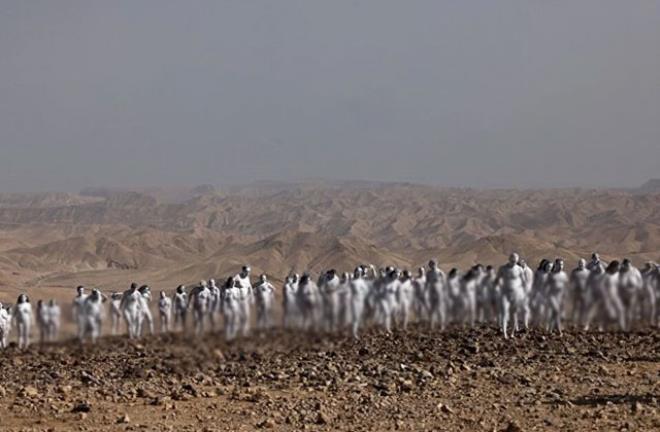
pixel 212 283
pixel 549 265
pixel 514 258
pixel 245 271
pixel 162 294
pixel 263 278
pixel 52 302
pixel 180 289
pixel 134 286
pixel 490 269
pixel 406 274
pixel 433 264
pixel 229 283
pixel 582 263
pixel 80 290
pixel 559 265
pixel 357 273
pixel 393 274
pixel 613 267
pixel 625 264
pixel 453 272
pixel 22 298
pixel 595 257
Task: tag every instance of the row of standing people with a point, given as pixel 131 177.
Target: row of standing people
pixel 594 293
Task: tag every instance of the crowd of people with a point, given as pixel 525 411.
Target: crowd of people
pixel 594 294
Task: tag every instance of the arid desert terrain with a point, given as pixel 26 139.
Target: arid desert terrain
pixel 415 380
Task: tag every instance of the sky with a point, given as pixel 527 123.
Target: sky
pixel 543 93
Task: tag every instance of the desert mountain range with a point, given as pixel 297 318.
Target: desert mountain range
pixel 109 237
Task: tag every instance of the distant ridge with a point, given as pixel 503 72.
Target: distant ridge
pixel 651 186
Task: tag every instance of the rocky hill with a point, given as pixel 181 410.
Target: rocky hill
pixel 105 235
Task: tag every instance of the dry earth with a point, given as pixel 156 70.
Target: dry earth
pixel 458 380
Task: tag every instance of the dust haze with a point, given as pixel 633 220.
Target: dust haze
pixel 476 94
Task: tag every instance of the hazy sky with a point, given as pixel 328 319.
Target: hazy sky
pixel 457 93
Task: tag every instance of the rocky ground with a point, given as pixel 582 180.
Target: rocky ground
pixel 457 380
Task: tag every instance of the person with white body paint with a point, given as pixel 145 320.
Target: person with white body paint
pixel 610 289
pixel 215 302
pixel 200 297
pixel 454 300
pixel 5 326
pixel 52 320
pixel 528 277
pixel 264 293
pixel 470 281
pixel 596 309
pixel 387 303
pixel 405 295
pixel 328 286
pixel 557 282
pixel 437 297
pixel 309 301
pixel 359 293
pixel 180 307
pixel 649 296
pixel 145 310
pixel 23 318
pixel 513 303
pixel 93 313
pixel 630 290
pixel 581 295
pixel 78 316
pixel 130 308
pixel 539 300
pixel 246 299
pixel 231 299
pixel 487 298
pixel 42 318
pixel 164 312
pixel 420 298
pixel 115 312
pixel 344 301
pixel 291 312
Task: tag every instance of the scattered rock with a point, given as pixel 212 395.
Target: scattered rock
pixel 322 418
pixel 512 427
pixel 124 419
pixel 445 409
pixel 266 424
pixel 29 391
pixel 82 407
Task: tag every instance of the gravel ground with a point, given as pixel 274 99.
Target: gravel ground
pixel 417 380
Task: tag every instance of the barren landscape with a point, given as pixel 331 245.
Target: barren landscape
pixel 457 380
pixel 416 380
pixel 51 242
